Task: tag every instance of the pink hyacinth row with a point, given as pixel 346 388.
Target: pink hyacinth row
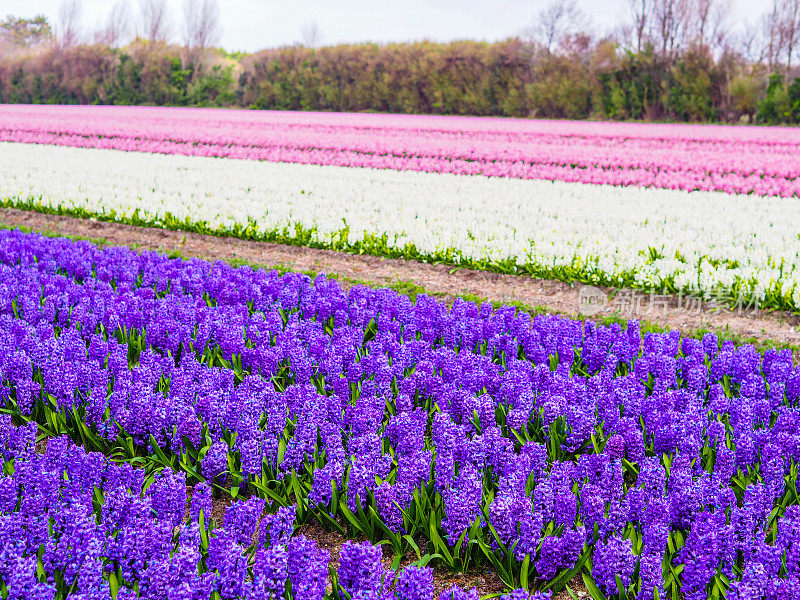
pixel 734 159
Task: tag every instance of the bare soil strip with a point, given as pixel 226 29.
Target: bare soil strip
pixel 669 311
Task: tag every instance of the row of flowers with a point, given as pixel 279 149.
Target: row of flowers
pixel 652 239
pixel 539 448
pixel 77 525
pixel 759 161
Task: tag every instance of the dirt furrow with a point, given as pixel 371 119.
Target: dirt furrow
pixel 671 311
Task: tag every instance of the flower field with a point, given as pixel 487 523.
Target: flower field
pixel 541 449
pixel 138 392
pixel 681 209
pixel 759 161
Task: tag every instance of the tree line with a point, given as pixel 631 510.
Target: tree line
pixel 673 60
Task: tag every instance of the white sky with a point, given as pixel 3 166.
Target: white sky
pixel 254 24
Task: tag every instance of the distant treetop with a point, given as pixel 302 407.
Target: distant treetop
pixel 23 33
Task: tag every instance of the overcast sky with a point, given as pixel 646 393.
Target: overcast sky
pixel 254 24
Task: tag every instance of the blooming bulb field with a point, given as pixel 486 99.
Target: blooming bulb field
pixel 77 525
pixel 744 160
pixel 642 237
pixel 540 448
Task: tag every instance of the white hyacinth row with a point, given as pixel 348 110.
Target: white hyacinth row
pixel 701 240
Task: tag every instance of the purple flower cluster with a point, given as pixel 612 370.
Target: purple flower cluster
pixel 96 525
pixel 128 539
pixel 548 437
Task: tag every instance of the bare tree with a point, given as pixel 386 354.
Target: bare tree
pixel 790 29
pixel 310 35
pixel 709 22
pixel 117 26
pixel 746 43
pixel 557 19
pixel 781 32
pixel 772 35
pixel 202 27
pixel 155 23
pixel 640 11
pixel 191 19
pixel 68 30
pixel 671 21
pixel 672 24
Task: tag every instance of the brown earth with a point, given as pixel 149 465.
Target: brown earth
pixel 444 281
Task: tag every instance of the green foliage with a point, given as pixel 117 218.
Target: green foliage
pixel 141 73
pixel 214 88
pixel 744 92
pixel 22 32
pixel 689 87
pixel 456 78
pixel 629 87
pixel 583 79
pixel 777 106
pixel 562 88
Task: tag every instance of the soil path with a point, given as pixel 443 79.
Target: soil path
pixel 671 311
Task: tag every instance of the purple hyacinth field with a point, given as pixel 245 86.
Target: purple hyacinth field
pixel 138 388
pixel 399 301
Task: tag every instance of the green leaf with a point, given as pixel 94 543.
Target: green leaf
pixel 592 588
pixel 493 531
pixel 348 514
pixel 571 595
pixel 281 450
pixel 113 584
pixel 201 521
pixel 277 497
pixel 391 536
pixel 190 447
pixel 159 452
pixel 414 545
pixel 327 520
pixel 459 543
pixel 424 560
pixel 715 591
pixel 500 570
pixel 334 498
pixel 566 575
pixel 438 543
pixel 620 587
pixel 523 574
pixel 517 435
pixel 299 496
pixel 668 580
